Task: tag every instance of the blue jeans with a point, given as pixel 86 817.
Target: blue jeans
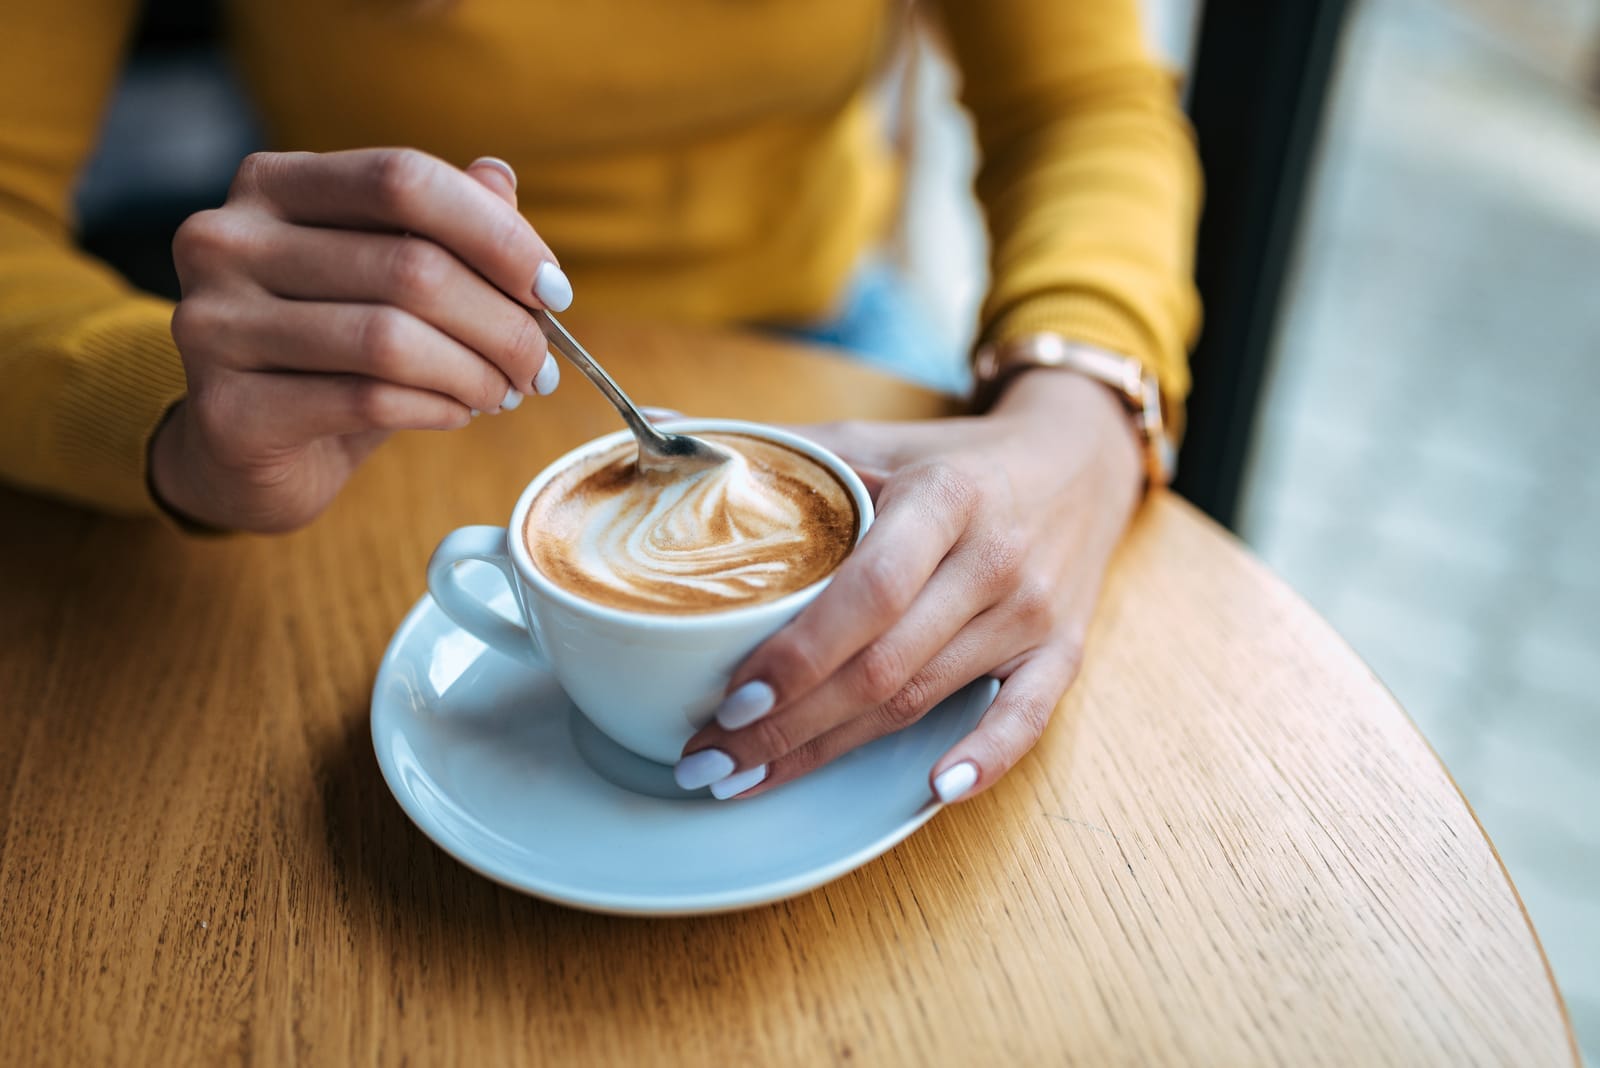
pixel 883 324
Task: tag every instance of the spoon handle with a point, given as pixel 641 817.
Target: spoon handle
pixel 568 346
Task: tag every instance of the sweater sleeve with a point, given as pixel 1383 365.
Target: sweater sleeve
pixel 88 365
pixel 1088 177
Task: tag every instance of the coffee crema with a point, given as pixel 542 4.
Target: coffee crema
pixel 768 523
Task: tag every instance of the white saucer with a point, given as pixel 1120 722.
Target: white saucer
pixel 494 764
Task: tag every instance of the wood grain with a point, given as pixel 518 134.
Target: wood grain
pixel 1231 847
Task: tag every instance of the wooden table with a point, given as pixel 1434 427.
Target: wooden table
pixel 1231 847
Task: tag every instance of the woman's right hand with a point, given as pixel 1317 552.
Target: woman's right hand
pixel 335 298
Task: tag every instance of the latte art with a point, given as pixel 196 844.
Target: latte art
pixel 767 523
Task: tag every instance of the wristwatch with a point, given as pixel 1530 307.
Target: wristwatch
pixel 993 365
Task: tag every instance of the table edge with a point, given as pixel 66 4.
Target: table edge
pixel 1166 498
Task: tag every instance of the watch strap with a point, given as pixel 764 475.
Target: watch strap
pixel 995 364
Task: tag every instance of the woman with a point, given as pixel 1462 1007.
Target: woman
pixel 711 159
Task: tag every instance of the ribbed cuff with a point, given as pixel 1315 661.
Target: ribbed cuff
pixel 125 376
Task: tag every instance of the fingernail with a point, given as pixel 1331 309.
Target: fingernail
pixel 498 164
pixel 552 288
pixel 513 398
pixel 953 782
pixel 745 705
pixel 476 413
pixel 548 378
pixel 702 768
pixel 734 785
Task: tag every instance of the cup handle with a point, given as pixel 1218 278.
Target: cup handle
pixel 468 611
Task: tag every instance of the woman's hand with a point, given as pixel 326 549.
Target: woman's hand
pixel 992 536
pixel 335 298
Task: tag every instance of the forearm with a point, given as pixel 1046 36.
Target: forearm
pixel 1095 241
pixel 1089 178
pixel 88 365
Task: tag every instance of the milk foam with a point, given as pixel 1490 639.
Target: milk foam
pixel 768 522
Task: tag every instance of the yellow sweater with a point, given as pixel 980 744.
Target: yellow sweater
pixel 716 159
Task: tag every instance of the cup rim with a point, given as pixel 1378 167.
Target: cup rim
pixel 517 546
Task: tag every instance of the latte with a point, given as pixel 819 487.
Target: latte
pixel 768 523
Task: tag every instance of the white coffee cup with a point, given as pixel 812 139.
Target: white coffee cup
pixel 648 680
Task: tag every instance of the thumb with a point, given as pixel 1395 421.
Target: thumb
pixel 851 444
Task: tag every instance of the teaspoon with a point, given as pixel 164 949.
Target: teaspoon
pixel 659 451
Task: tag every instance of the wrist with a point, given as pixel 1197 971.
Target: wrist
pixel 170 471
pixel 997 364
pixel 1047 402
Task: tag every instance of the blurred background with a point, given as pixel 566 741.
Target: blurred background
pixel 1396 387
pixel 1426 471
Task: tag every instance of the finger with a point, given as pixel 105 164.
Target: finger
pixel 924 513
pixel 499 178
pixel 975 651
pixel 416 275
pixel 495 175
pixel 401 189
pixel 876 682
pixel 271 411
pixel 374 340
pixel 1011 726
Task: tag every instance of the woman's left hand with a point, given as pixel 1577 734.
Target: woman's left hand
pixel 992 536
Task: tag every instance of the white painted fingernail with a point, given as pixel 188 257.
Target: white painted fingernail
pixel 513 398
pixel 734 785
pixel 552 288
pixel 476 413
pixel 498 164
pixel 548 378
pixel 702 768
pixel 953 782
pixel 746 705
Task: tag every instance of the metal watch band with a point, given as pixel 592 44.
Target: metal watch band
pixel 994 365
